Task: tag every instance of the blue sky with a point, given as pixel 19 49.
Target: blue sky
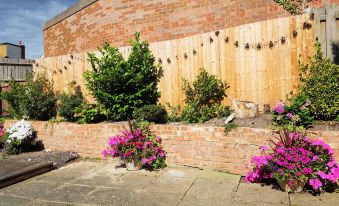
pixel 22 20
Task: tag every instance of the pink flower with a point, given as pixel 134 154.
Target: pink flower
pixel 104 153
pixel 279 108
pixel 315 183
pixel 331 164
pixel 307 171
pixel 315 158
pixel 143 160
pixel 161 154
pixel 289 115
pixel 263 148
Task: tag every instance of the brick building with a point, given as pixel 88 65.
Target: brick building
pixel 90 22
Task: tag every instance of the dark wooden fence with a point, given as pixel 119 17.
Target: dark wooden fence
pixel 327 20
pixel 16 69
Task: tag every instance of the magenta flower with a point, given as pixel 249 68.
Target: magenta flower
pixel 289 115
pixel 279 108
pixel 263 148
pixel 104 153
pixel 315 183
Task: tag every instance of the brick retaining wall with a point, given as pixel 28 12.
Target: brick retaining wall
pixel 199 146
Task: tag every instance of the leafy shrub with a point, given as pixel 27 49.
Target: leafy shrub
pixel 91 113
pixel 2 135
pixel 229 127
pixel 68 102
pixel 151 113
pixel 173 113
pixel 205 90
pixel 296 158
pixel 320 85
pixel 14 98
pixel 19 138
pixel 295 112
pixel 203 98
pixel 120 85
pixel 138 147
pixel 35 99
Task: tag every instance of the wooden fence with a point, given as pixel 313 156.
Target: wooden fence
pixel 258 60
pixel 16 69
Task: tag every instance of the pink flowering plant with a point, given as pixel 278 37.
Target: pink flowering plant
pixel 296 158
pixel 138 147
pixel 294 112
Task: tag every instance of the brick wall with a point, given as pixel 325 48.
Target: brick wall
pixel 205 147
pixel 117 20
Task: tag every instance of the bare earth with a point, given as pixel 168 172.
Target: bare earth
pixel 105 183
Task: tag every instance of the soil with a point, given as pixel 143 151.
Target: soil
pixel 58 159
pixel 263 121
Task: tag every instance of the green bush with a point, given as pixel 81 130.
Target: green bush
pixel 120 85
pixel 69 101
pixel 151 113
pixel 295 112
pixel 206 90
pixel 34 99
pixel 14 99
pixel 173 113
pixel 91 113
pixel 203 99
pixel 320 84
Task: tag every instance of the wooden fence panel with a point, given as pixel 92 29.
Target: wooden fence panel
pixel 16 69
pixel 264 72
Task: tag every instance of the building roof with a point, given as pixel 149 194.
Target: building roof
pixel 6 43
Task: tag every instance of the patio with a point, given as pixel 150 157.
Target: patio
pixel 103 183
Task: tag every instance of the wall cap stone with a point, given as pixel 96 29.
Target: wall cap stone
pixel 67 13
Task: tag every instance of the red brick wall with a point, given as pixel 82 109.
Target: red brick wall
pixel 117 20
pixel 205 147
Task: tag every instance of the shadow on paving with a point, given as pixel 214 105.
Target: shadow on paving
pixel 101 183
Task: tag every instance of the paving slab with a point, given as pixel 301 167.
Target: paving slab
pixel 69 193
pixel 256 194
pixel 154 199
pixel 38 202
pixel 31 189
pixel 306 199
pixel 211 188
pixel 6 200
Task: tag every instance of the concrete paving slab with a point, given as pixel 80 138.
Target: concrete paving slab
pixel 96 180
pixel 31 188
pixel 38 202
pixel 6 200
pixel 154 199
pixel 306 199
pixel 133 182
pixel 108 197
pixel 69 193
pixel 170 185
pixel 210 192
pixel 255 194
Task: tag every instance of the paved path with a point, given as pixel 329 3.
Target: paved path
pixel 101 183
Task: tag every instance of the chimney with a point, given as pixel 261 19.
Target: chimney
pixel 22 50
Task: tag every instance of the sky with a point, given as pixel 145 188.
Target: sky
pixel 22 20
